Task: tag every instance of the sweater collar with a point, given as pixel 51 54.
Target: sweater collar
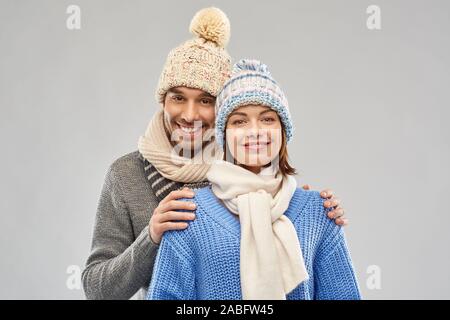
pixel 213 207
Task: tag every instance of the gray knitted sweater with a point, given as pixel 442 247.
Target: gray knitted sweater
pixel 122 254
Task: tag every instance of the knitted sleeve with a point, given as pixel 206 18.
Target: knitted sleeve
pixel 334 275
pixel 118 264
pixel 173 273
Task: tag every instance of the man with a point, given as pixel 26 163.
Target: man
pixel 138 202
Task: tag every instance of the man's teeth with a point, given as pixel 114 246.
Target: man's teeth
pixel 190 130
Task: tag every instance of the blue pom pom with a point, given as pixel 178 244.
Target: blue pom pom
pixel 251 64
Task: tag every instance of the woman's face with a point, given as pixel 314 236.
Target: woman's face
pixel 253 136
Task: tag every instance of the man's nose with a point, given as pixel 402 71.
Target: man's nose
pixel 190 113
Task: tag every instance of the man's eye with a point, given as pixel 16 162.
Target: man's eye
pixel 178 98
pixel 237 122
pixel 206 101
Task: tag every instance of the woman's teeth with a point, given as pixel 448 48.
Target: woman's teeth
pixel 256 146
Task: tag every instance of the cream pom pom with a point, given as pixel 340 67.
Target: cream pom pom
pixel 211 24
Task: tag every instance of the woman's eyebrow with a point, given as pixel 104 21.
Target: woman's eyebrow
pixel 238 114
pixel 265 111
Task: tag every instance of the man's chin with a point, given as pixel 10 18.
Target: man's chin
pixel 189 148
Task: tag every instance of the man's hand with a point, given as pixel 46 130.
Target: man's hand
pixel 164 217
pixel 337 214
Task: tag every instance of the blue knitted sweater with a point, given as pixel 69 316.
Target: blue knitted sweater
pixel 202 261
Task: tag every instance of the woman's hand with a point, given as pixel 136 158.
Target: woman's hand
pixel 337 214
pixel 164 217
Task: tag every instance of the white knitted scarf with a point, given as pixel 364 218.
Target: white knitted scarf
pixel 271 262
pixel 157 149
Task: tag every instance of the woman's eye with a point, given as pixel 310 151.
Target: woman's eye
pixel 269 119
pixel 237 122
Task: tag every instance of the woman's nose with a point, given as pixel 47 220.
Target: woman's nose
pixel 253 129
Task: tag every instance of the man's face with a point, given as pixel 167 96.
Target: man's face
pixel 189 115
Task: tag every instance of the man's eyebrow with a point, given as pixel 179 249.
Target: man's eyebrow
pixel 207 95
pixel 202 95
pixel 174 90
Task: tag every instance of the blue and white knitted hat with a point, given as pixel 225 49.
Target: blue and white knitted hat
pixel 251 83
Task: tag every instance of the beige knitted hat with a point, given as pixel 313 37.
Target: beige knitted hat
pixel 202 62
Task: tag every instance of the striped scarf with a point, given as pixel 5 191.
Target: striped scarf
pixel 162 186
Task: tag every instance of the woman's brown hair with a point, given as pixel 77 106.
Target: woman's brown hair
pixel 285 167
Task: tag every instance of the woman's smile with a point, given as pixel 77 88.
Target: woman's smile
pixel 257 145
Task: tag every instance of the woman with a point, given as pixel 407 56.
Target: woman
pixel 256 235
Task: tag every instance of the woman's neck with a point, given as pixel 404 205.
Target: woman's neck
pixel 255 169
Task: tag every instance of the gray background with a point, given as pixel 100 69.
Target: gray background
pixel 370 108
